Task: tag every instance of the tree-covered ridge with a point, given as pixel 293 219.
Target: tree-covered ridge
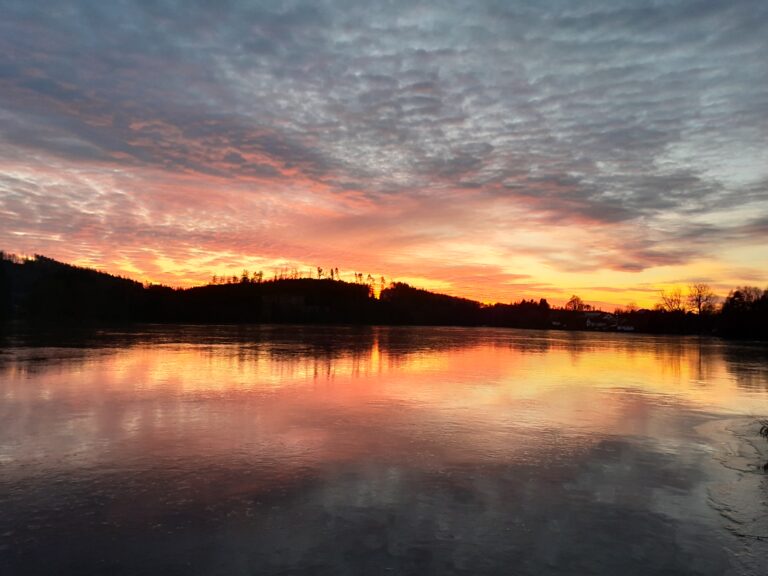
pixel 43 289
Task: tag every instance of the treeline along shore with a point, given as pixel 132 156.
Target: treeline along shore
pixel 41 289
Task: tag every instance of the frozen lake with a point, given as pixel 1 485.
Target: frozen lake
pixel 340 450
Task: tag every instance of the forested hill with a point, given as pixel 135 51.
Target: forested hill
pixel 41 289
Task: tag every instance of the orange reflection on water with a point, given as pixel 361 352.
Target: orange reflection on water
pixel 440 395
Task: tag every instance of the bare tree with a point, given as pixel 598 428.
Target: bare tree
pixel 672 301
pixel 701 299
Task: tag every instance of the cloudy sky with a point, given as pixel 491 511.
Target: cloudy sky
pixel 495 150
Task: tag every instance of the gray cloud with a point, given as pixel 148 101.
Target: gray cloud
pixel 616 114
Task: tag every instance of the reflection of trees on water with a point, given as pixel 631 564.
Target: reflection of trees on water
pixel 324 350
pixel 403 341
pixel 695 358
pixel 689 357
pixel 286 344
pixel 748 363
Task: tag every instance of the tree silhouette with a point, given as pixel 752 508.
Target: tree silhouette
pixel 747 294
pixel 701 299
pixel 745 313
pixel 42 289
pixel 672 301
pixel 575 304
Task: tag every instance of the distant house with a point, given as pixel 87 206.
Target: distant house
pixel 597 320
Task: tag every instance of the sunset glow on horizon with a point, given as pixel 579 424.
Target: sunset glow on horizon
pixel 490 150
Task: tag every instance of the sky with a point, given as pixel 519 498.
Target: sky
pixel 496 150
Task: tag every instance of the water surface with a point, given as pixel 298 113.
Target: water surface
pixel 336 450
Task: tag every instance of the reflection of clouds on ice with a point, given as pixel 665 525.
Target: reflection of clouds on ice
pixel 599 512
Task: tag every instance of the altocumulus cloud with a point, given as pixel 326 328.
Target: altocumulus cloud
pixel 517 139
